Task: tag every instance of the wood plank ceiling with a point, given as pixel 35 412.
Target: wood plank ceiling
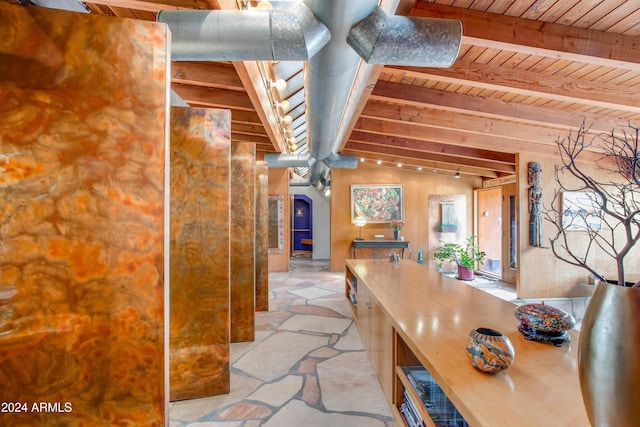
pixel 528 71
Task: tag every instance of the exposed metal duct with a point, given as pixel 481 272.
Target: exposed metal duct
pixel 289 160
pixel 333 36
pixel 401 40
pixel 230 35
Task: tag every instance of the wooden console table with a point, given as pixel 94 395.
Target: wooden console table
pixel 412 317
pixel 379 244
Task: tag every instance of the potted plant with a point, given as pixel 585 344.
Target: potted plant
pixel 610 334
pixel 465 256
pixel 397 226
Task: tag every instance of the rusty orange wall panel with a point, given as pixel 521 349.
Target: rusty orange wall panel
pixel 84 104
pixel 199 252
pixel 242 241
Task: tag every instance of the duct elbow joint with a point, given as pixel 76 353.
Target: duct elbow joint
pixel 401 40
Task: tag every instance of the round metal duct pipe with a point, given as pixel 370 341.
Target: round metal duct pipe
pixel 233 35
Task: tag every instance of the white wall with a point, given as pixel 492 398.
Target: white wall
pixel 321 214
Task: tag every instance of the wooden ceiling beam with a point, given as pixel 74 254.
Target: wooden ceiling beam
pixel 539 38
pixel 433 147
pixel 468 123
pixel 208 74
pixel 491 108
pixel 213 97
pixel 455 137
pixel 429 156
pixel 427 164
pixel 528 83
pixel 156 5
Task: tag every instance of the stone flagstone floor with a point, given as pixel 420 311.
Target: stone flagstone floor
pixel 306 367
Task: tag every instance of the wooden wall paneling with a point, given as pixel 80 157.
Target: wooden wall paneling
pixel 417 188
pixel 199 228
pixel 262 244
pixel 82 211
pixel 242 245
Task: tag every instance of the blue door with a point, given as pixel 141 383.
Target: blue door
pixel 302 223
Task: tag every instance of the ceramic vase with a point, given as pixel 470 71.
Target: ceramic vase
pixel 489 350
pixel 608 354
pixel 396 234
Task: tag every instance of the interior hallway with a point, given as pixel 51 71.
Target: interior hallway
pixel 307 366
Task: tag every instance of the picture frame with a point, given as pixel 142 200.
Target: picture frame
pixel 580 211
pixel 378 203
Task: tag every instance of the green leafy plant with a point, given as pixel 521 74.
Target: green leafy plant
pixel 465 255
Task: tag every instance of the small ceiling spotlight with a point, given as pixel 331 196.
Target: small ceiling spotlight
pixel 399 165
pixel 379 162
pixel 435 170
pixel 457 175
pixel 419 168
pixel 361 159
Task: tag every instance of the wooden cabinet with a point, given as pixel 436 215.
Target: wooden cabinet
pixel 375 329
pixel 410 317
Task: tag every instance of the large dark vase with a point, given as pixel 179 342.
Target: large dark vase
pixel 609 357
pixel 396 234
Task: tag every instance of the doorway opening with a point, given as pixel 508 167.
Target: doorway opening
pixel 496 219
pixel 302 226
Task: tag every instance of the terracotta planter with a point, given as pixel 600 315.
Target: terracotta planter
pixel 608 354
pixel 464 273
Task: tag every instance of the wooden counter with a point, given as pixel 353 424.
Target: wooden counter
pixel 427 317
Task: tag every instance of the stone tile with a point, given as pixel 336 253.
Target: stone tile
pixel 194 409
pixel 296 413
pixel 270 360
pixel 324 352
pixel 351 341
pixel 311 293
pixel 307 366
pixel 245 410
pixel 312 323
pixel 278 393
pixel 349 383
pixel 314 309
pixel 215 424
pixel 311 390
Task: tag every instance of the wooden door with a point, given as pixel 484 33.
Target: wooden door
pixel 509 233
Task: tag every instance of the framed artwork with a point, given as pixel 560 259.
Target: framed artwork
pixel 377 203
pixel 580 210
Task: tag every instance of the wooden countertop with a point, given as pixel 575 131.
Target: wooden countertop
pixel 434 314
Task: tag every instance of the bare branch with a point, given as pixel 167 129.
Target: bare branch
pixel 614 194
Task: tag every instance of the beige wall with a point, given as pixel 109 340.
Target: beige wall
pixel 279 185
pixel 541 274
pixel 417 188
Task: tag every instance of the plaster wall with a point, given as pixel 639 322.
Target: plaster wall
pixel 540 273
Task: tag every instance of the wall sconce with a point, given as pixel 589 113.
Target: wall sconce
pixel 279 84
pixel 284 106
pixel 360 222
pixel 286 120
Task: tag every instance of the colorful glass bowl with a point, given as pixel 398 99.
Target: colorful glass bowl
pixel 544 318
